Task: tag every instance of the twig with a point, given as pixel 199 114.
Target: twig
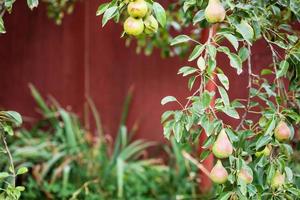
pixel 274 56
pixel 249 89
pixel 195 162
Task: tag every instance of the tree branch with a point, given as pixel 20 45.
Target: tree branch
pixel 195 162
pixel 249 88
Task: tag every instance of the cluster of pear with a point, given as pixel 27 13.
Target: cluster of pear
pixel 140 19
pixel 222 148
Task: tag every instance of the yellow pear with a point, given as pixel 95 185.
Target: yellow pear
pixel 215 12
pixel 222 148
pixel 218 173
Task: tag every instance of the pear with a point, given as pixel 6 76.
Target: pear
pixel 277 180
pixel 151 25
pixel 133 26
pixel 138 8
pixel 265 152
pixel 245 175
pixel 214 12
pixel 218 173
pixel 282 132
pixel 222 148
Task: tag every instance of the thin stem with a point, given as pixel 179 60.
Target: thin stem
pixel 189 100
pixel 274 56
pixel 195 162
pixel 249 89
pixel 10 160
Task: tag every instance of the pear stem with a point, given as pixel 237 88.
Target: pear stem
pixel 195 162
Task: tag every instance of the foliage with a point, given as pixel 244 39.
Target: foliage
pixel 273 94
pixel 256 145
pixel 66 161
pixel 8 174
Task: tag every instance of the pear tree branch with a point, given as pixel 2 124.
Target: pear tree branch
pixel 195 162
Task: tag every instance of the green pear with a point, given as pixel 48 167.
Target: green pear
pixel 265 152
pixel 222 148
pixel 151 25
pixel 214 12
pixel 133 26
pixel 282 132
pixel 277 180
pixel 245 175
pixel 138 8
pixel 218 174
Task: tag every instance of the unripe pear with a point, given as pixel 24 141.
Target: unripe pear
pixel 265 152
pixel 218 173
pixel 282 132
pixel 214 11
pixel 133 26
pixel 151 25
pixel 222 148
pixel 245 176
pixel 138 8
pixel 277 180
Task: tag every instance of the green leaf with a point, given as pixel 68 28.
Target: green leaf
pixel 205 99
pixel 224 50
pixel 270 173
pixel 243 54
pixel 245 30
pixel 32 3
pixel 212 51
pixel 224 96
pixel 225 196
pixel 232 39
pixel 2 28
pixel 204 154
pixel 180 39
pixel 201 63
pixel 166 115
pixel 283 68
pixel 160 14
pixel 271 127
pixel 168 129
pixel 266 72
pixel 209 141
pixel 191 82
pixel 224 80
pixel 199 16
pixel 232 136
pixel 22 170
pixel 187 70
pixel 20 188
pixel 109 14
pixel 8 129
pixel 264 140
pixel 102 8
pixel 178 131
pixel 4 175
pixel 14 117
pixel 168 99
pixel 196 52
pixel 289 174
pixel 235 62
pixel 231 112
